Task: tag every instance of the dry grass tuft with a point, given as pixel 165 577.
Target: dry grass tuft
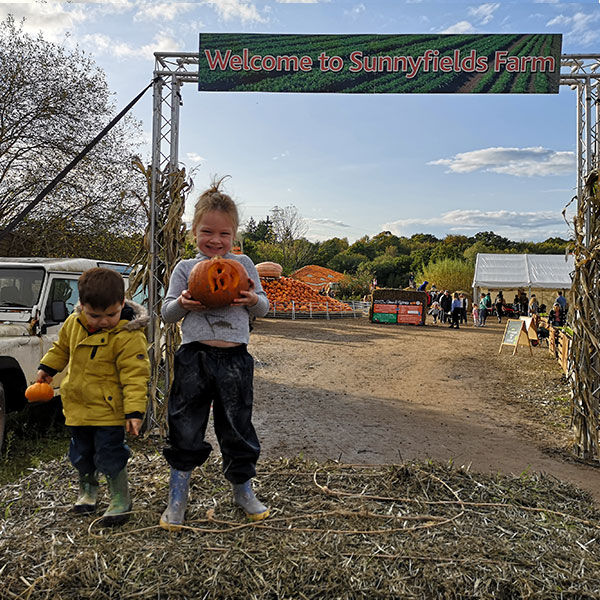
pixel 418 530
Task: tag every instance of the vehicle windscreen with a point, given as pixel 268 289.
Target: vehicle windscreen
pixel 20 287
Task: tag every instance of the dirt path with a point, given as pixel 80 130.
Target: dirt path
pixel 363 393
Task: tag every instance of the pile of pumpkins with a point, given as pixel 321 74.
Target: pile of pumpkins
pixel 286 294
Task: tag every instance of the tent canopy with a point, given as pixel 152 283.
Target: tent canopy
pixel 538 271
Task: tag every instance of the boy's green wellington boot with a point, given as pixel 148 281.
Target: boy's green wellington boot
pixel 120 501
pixel 179 485
pixel 88 494
pixel 243 495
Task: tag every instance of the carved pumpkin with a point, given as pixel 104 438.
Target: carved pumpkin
pixel 39 392
pixel 217 281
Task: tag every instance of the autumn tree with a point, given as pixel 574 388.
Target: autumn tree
pixel 53 101
pixel 288 229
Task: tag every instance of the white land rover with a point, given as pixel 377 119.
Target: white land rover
pixel 36 296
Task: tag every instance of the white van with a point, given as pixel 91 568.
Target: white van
pixel 36 296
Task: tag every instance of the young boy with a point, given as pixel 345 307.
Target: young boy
pixel 104 392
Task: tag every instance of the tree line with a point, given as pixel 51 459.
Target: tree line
pixel 448 262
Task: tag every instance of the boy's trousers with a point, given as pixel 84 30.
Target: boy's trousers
pixel 99 448
pixel 222 376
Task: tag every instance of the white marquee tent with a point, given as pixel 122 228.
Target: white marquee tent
pixel 531 271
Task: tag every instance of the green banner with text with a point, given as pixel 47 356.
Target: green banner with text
pixel 381 64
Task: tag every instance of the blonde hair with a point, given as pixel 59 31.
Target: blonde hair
pixel 214 199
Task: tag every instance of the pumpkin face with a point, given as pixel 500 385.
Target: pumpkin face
pixel 39 392
pixel 218 281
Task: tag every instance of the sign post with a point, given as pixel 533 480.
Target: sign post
pixel 531 328
pixel 515 334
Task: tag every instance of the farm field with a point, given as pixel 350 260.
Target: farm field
pixel 365 393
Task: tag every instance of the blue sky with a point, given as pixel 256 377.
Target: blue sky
pixel 353 164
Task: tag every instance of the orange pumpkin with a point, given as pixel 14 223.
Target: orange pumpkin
pixel 269 269
pixel 39 392
pixel 217 281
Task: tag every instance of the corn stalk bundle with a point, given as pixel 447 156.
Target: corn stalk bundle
pixel 584 369
pixel 169 242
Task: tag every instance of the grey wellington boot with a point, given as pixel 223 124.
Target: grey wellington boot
pixel 243 495
pixel 88 494
pixel 120 500
pixel 179 485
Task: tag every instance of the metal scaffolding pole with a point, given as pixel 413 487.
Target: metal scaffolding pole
pixel 584 354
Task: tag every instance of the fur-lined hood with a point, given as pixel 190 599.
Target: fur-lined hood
pixel 134 315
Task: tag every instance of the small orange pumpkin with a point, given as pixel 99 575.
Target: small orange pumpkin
pixel 218 281
pixel 39 392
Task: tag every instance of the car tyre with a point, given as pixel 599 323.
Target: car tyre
pixel 2 415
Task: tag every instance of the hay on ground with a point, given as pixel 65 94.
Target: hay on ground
pixel 415 530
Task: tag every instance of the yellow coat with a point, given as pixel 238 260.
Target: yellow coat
pixel 107 371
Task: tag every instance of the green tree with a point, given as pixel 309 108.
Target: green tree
pixel 479 247
pixel 346 262
pixel 391 271
pixel 52 103
pixel 326 250
pixel 355 287
pixel 449 274
pixel 493 240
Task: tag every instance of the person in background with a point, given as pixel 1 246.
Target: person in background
pixel 556 315
pixel 463 310
pixel 517 305
pixel 561 301
pixel 435 311
pixel 499 305
pixel 445 301
pixel 456 310
pixel 534 307
pixel 482 310
pixel 212 367
pixel 475 312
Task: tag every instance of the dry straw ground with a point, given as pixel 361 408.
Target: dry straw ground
pixel 431 495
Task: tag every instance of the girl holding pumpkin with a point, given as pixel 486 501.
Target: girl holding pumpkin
pixel 215 299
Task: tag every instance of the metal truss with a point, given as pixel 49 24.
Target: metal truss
pixel 581 72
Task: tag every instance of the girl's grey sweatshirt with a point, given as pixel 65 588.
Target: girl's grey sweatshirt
pixel 228 323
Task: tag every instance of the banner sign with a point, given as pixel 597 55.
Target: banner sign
pixel 381 64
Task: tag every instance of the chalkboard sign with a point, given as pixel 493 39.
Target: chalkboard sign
pixel 515 334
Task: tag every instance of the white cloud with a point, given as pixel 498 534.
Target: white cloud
pixel 298 1
pixel 460 27
pixel 484 13
pixel 163 11
pixel 50 18
pixel 283 154
pixel 520 162
pixel 194 157
pixel 322 221
pixel 582 28
pixel 531 226
pixel 230 10
pixel 356 10
pixel 103 44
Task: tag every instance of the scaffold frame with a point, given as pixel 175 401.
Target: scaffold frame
pixel 581 72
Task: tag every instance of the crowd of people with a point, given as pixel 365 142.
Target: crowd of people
pixel 451 308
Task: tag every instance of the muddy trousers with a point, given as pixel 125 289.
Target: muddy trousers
pixel 204 375
pixel 99 448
